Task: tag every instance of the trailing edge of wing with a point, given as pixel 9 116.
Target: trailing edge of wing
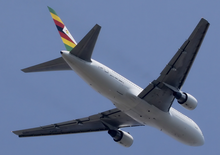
pixel 53 65
pixel 85 47
pixel 99 122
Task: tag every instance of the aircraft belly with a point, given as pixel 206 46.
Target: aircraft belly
pixel 174 124
pixel 144 113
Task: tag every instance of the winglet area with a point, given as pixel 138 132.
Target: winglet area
pixel 65 35
pixel 85 47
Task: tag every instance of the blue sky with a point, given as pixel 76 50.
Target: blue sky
pixel 137 40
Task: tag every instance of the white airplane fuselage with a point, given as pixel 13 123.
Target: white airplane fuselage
pixel 124 95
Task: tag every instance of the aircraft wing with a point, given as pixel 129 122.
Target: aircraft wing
pixel 111 119
pixel 174 74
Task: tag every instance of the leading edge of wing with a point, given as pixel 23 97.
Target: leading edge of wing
pixel 99 122
pixel 176 71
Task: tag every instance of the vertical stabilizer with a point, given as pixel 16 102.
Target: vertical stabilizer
pixel 65 35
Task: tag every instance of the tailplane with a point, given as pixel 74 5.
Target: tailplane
pixel 83 50
pixel 85 47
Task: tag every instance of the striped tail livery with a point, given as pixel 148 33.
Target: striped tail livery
pixel 65 35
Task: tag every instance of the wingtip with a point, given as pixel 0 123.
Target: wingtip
pixel 15 132
pixel 204 20
pixel 25 70
pixel 97 26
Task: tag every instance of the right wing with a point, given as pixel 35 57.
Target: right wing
pixel 158 92
pixel 111 119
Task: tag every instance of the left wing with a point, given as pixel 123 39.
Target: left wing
pixel 158 92
pixel 111 119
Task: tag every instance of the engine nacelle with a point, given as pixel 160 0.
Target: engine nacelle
pixel 186 100
pixel 121 137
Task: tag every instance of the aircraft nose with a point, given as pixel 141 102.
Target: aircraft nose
pixel 201 141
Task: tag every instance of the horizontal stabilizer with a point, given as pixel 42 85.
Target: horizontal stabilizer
pixel 85 47
pixel 53 65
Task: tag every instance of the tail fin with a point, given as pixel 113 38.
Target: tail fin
pixel 65 35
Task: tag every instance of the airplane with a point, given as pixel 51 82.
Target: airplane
pixel 135 106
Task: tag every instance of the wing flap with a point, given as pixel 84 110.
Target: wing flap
pixel 176 71
pixel 114 118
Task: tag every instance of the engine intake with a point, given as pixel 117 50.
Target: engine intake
pixel 186 100
pixel 121 137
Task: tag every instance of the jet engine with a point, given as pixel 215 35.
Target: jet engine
pixel 121 137
pixel 186 100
